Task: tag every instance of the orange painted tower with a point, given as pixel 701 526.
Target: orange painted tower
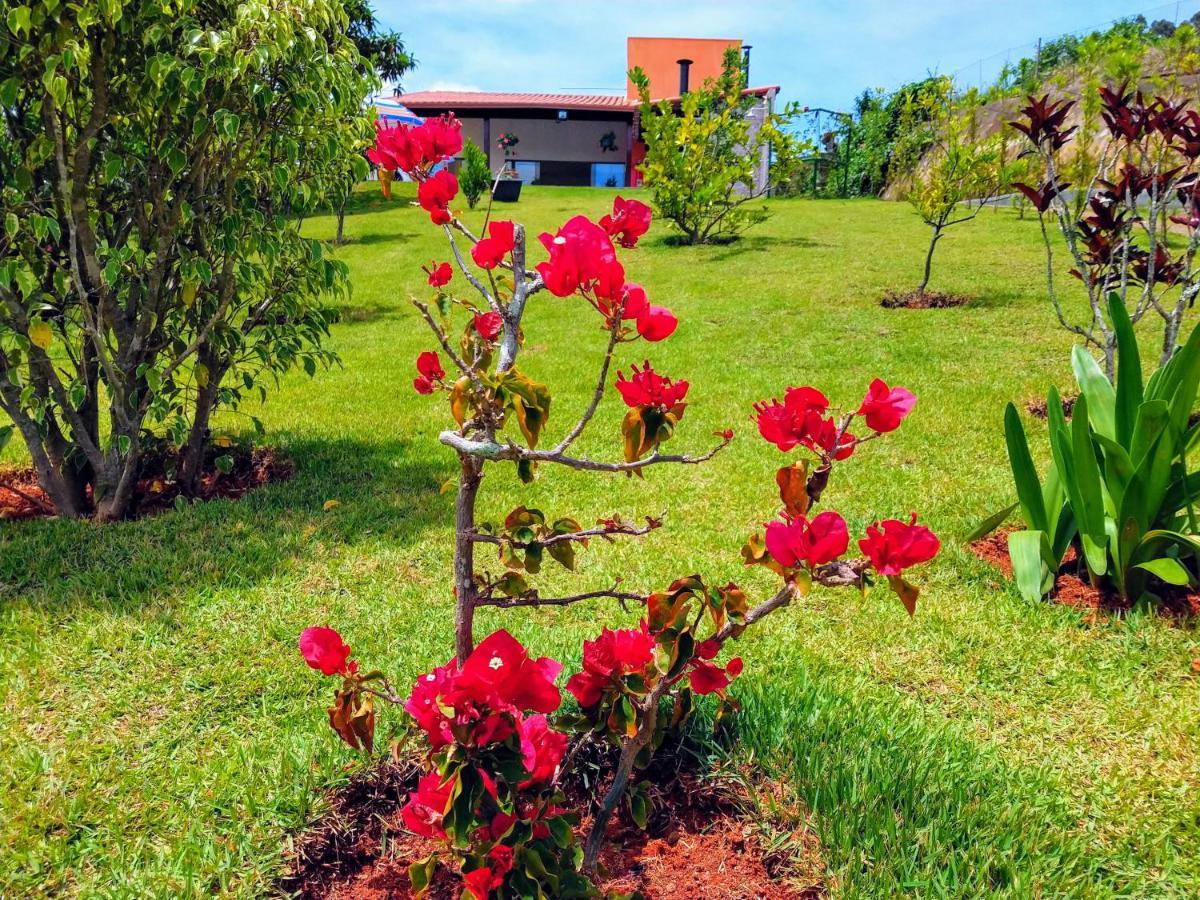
pixel 667 61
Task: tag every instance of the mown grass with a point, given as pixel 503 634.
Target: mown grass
pixel 159 735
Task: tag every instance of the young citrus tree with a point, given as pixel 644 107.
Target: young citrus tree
pixel 154 161
pixel 701 159
pixel 495 743
pixel 474 177
pixel 951 171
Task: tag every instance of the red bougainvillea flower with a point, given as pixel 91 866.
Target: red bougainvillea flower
pixel 323 649
pixel 777 424
pixel 706 678
pixel 647 388
pixel 884 408
pixel 430 372
pixel 656 323
pixel 801 420
pixel 893 546
pixel 500 674
pixel 814 543
pixel 800 401
pixel 440 138
pixel 582 258
pixel 398 147
pixel 439 273
pixel 481 882
pixel 427 805
pixel 630 219
pixel 613 654
pixel 489 325
pixel 821 434
pixel 435 193
pixel 542 750
pixel 423 705
pixel 491 250
pixel 636 302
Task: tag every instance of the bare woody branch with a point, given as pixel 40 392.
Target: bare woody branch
pixel 491 450
pixel 604 532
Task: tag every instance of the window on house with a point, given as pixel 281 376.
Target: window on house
pixel 608 175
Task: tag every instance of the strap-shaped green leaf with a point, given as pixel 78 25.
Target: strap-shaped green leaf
pixel 1025 552
pixel 1095 386
pixel 1029 488
pixel 1088 502
pixel 1129 370
pixel 1169 570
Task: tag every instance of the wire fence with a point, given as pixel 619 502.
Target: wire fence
pixel 984 72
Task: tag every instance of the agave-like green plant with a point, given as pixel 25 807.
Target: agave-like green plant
pixel 1117 486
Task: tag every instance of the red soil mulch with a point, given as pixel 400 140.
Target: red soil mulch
pixel 22 498
pixel 927 300
pixel 1070 590
pixel 699 846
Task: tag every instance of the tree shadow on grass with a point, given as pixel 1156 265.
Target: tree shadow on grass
pixel 366 313
pixel 385 492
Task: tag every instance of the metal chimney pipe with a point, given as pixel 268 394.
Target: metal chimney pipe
pixel 684 66
pixel 746 61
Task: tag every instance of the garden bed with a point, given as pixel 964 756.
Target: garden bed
pixel 701 844
pixel 926 300
pixel 1071 590
pixel 22 498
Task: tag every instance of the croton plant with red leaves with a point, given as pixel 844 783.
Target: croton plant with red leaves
pixel 1113 223
pixel 494 737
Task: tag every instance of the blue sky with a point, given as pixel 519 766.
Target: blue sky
pixel 822 53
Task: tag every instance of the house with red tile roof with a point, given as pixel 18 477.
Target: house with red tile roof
pixel 584 139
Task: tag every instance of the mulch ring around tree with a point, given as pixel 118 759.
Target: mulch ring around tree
pixel 1180 605
pixel 926 300
pixel 701 842
pixel 247 469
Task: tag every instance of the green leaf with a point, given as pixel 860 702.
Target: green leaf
pixel 1088 504
pixel 1129 371
pixel 224 463
pixel 1029 488
pixel 1097 389
pixel 1025 553
pixel 6 433
pixel 1169 570
pixel 990 524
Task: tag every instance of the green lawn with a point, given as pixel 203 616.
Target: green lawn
pixel 161 737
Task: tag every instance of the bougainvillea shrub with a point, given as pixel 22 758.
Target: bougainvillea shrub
pixel 494 736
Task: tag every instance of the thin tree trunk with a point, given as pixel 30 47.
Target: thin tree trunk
pixel 937 234
pixel 464 556
pixel 192 463
pixel 339 238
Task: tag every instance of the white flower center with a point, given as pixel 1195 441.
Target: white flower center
pixel 496 663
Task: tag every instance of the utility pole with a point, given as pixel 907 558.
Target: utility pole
pixel 1037 63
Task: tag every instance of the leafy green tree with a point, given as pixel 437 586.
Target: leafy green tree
pixel 702 158
pixel 950 170
pixel 155 160
pixel 474 178
pixel 383 53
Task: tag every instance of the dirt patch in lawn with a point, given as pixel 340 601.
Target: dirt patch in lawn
pixel 927 300
pixel 22 498
pixel 701 842
pixel 1039 410
pixel 1178 604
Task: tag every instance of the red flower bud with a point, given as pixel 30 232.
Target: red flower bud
pixel 884 408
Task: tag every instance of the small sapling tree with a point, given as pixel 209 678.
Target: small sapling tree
pixel 496 747
pixel 702 158
pixel 474 177
pixel 1146 171
pixel 951 171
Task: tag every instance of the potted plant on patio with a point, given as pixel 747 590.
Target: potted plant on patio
pixel 508 186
